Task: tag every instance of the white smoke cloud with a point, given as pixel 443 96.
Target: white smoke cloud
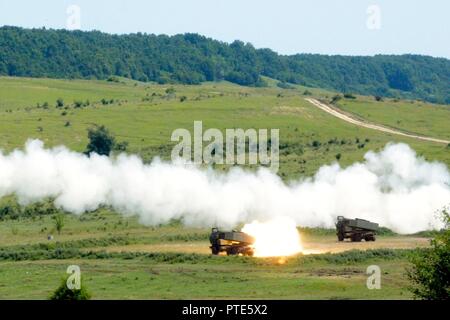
pixel 394 187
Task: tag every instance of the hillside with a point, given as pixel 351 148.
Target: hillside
pixel 144 115
pixel 192 59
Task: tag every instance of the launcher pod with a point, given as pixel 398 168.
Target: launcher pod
pixel 355 229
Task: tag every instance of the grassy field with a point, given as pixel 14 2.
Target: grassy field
pixel 122 259
pixel 144 279
pixel 145 116
pixel 116 262
pixel 408 116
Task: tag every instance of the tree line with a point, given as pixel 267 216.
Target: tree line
pixel 192 59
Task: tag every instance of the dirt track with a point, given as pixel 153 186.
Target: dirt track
pixel 330 244
pixel 313 245
pixel 339 114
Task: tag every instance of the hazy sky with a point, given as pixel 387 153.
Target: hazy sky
pixel 357 27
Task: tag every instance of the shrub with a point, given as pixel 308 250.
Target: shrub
pixel 40 208
pixel 349 96
pixel 430 273
pixel 383 231
pixel 121 146
pixel 170 90
pixel 335 99
pixel 64 293
pixel 338 156
pixel 101 141
pixel 59 103
pixel 9 210
pixel 59 222
pixel 113 79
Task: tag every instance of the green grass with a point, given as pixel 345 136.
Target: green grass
pixel 309 137
pixel 408 116
pixel 31 267
pixel 145 116
pixel 147 279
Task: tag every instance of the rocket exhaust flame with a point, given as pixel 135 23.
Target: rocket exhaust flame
pixel 275 238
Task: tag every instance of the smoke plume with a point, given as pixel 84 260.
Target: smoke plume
pixel 394 187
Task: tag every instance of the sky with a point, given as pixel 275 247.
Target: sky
pixel 350 27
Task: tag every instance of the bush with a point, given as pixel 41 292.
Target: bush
pixel 45 207
pixel 121 146
pixel 335 99
pixel 9 210
pixel 430 273
pixel 101 141
pixel 349 96
pixel 59 103
pixel 170 90
pixel 383 231
pixel 113 79
pixel 78 104
pixel 64 293
pixel 59 222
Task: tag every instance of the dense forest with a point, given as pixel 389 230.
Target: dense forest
pixel 192 59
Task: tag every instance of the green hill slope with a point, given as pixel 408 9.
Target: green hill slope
pixel 145 115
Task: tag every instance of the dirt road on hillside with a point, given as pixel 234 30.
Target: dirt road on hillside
pixel 339 114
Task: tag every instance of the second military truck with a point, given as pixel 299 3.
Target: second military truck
pixel 355 229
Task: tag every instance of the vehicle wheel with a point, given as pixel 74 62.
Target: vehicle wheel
pixel 249 252
pixel 214 250
pixel 340 237
pixel 356 238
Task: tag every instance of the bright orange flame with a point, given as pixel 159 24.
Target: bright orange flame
pixel 275 238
